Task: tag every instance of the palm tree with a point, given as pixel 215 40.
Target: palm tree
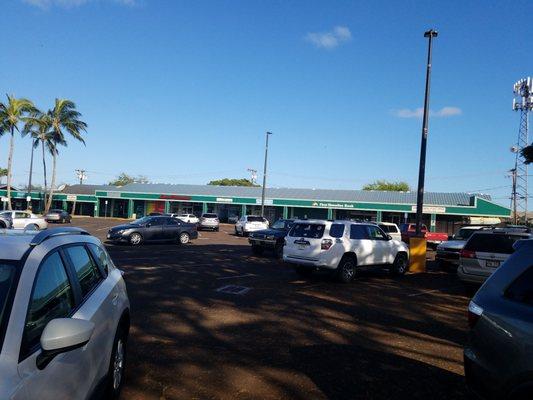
pixel 12 114
pixel 64 118
pixel 3 172
pixel 38 127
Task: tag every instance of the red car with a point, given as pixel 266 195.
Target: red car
pixel 433 238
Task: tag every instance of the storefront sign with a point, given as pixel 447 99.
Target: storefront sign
pixel 174 197
pixel 224 200
pixel 430 210
pixel 71 197
pixel 333 205
pixel 268 202
pixel 113 195
pixel 4 199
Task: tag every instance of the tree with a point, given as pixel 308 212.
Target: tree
pixel 12 113
pixel 64 118
pixel 527 153
pixel 3 172
pixel 124 179
pixel 232 182
pixel 38 127
pixel 384 185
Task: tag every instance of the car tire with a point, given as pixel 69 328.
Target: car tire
pixel 33 227
pixel 236 233
pixel 346 270
pixel 400 265
pixel 257 250
pixel 135 239
pixel 117 363
pixel 184 238
pixel 217 229
pixel 2 225
pixel 303 272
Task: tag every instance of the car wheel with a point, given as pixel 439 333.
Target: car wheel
pixel 2 225
pixel 217 229
pixel 303 272
pixel 136 239
pixel 117 364
pixel 400 265
pixel 346 270
pixel 236 233
pixel 184 238
pixel 257 250
pixel 32 227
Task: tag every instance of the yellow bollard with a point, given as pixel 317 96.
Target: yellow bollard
pixel 417 254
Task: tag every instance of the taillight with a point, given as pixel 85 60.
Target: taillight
pixel 474 313
pixel 326 244
pixel 467 254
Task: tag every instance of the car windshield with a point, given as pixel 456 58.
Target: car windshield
pixel 279 225
pixel 141 221
pixel 464 234
pixel 7 275
pixel 210 216
pixel 255 219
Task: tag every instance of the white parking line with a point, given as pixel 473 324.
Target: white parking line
pixel 432 291
pixel 234 277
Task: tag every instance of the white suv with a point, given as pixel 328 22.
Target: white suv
pixel 250 223
pixel 342 247
pixel 65 317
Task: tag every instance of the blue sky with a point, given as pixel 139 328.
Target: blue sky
pixel 182 92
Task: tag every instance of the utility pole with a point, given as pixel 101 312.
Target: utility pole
pixel 80 173
pixel 422 168
pixel 523 102
pixel 513 196
pixel 253 175
pixel 264 176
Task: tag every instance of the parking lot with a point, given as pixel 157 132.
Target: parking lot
pixel 195 335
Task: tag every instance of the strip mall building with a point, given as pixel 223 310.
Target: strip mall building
pixel 442 211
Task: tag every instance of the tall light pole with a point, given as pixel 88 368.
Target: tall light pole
pixel 264 176
pixel 80 173
pixel 422 168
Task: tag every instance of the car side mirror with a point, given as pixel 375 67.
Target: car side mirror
pixel 62 335
pixel 451 237
pixel 389 237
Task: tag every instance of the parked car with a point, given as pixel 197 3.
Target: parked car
pixel 343 247
pixel 157 214
pixel 57 215
pixel 498 356
pixel 485 251
pixel 250 223
pixel 65 317
pixel 232 219
pixel 153 229
pixel 448 252
pixel 6 222
pixel 391 229
pixel 209 221
pixel 189 218
pixel 271 239
pixel 433 238
pixel 26 220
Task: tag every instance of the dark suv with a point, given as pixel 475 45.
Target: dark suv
pixel 499 355
pixel 272 238
pixel 153 229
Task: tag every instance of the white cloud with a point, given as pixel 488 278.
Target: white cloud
pixel 419 112
pixel 329 40
pixel 71 3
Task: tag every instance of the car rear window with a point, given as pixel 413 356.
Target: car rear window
pixel 255 219
pixel 210 216
pixel 521 289
pixel 336 230
pixel 388 228
pixel 501 243
pixel 313 231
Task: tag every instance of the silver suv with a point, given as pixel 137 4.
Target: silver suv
pixel 486 250
pixel 64 317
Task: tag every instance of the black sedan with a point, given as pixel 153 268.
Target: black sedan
pixel 272 238
pixel 153 229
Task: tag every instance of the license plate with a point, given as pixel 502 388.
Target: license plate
pixel 493 264
pixel 301 246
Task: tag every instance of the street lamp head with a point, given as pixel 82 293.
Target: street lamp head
pixel 431 33
pixel 269 133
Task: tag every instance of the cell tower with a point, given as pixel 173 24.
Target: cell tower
pixel 253 175
pixel 523 102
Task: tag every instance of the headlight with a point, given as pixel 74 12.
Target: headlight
pixel 271 237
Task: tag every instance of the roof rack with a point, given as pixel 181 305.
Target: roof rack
pixel 54 232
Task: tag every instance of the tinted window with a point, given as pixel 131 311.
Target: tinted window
pixel 255 219
pixel 52 298
pixel 210 216
pixel 172 221
pixel 7 275
pixel 375 233
pixel 501 243
pixel 313 231
pixel 336 230
pixel 464 234
pixel 522 288
pixel 157 221
pixel 388 228
pixel 86 270
pixel 358 232
pixel 101 257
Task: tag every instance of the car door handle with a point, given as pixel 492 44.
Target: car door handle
pixel 114 299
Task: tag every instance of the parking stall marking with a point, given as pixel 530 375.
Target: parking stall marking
pixel 234 289
pixel 236 276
